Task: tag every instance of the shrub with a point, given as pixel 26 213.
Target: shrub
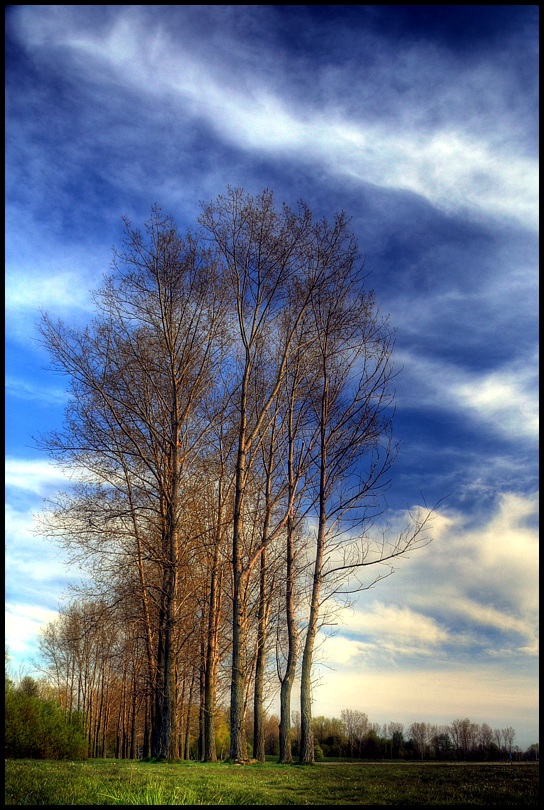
pixel 40 729
pixel 318 753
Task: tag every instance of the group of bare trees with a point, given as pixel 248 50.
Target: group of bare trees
pixel 229 437
pixel 353 735
pixel 462 739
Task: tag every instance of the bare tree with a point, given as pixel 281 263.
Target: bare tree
pixel 262 253
pixel 508 735
pixel 298 429
pixel 352 443
pixel 485 736
pixel 138 376
pixel 356 724
pixel 421 734
pixel 270 496
pixel 465 735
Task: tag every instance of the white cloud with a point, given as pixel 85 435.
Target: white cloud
pixel 450 169
pixel 487 616
pixel 30 559
pixel 61 290
pixel 398 627
pixel 50 270
pixel 490 694
pixel 22 389
pixel 455 162
pixel 511 530
pixel 339 649
pixel 506 400
pixel 498 556
pixel 23 623
pixel 473 590
pixel 19 525
pixel 34 476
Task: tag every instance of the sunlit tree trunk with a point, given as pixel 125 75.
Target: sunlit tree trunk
pixel 262 630
pixel 212 654
pixel 307 755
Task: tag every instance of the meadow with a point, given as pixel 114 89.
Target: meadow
pixel 37 782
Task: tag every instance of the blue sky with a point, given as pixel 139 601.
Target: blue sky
pixel 421 122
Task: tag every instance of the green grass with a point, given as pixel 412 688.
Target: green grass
pixel 120 782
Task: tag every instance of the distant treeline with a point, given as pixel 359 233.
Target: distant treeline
pixel 354 736
pixel 38 726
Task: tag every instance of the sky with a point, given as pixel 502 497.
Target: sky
pixel 421 123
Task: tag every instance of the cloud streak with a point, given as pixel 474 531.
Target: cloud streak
pixel 504 400
pixel 36 476
pixel 456 167
pixel 23 389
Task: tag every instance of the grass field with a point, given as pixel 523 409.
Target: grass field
pixel 35 782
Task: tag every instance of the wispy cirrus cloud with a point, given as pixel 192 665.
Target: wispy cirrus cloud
pixel 61 289
pixel 23 389
pixel 391 629
pixel 33 475
pixel 433 148
pixel 505 400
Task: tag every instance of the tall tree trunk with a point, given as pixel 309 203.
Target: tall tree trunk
pixel 238 749
pixel 118 730
pixel 307 756
pixel 286 754
pixel 166 692
pixel 157 715
pixel 187 742
pixel 258 709
pixel 210 685
pixel 263 613
pixel 146 753
pixel 133 712
pixel 202 691
pixel 181 712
